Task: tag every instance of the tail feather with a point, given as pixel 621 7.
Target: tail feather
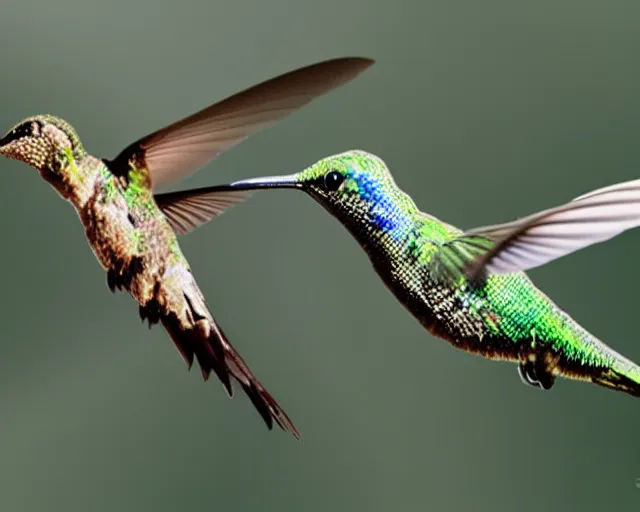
pixel 621 375
pixel 208 344
pixel 607 377
pixel 617 381
pixel 610 370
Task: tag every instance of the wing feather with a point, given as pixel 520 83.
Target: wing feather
pixel 188 209
pixel 540 238
pixel 180 149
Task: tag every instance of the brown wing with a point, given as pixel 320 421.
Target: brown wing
pixel 188 209
pixel 180 149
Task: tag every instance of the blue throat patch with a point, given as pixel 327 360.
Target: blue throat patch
pixel 385 212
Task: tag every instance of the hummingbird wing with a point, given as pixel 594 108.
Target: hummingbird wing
pixel 547 235
pixel 451 260
pixel 188 209
pixel 180 149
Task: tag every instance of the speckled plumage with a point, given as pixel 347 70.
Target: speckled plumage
pixel 135 243
pixel 132 229
pixel 504 317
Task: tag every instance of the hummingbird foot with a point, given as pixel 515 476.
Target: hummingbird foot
pixel 535 373
pixel 527 374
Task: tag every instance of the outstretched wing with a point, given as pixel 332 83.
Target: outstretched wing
pixel 545 236
pixel 180 149
pixel 188 209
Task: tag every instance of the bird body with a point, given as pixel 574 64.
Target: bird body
pixel 502 316
pixel 133 231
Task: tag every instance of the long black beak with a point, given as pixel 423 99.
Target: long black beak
pixel 290 181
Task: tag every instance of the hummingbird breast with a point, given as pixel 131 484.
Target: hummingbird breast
pixel 129 236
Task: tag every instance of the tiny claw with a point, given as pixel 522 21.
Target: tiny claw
pixel 546 379
pixel 536 374
pixel 527 374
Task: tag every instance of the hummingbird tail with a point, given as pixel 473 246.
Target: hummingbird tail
pixel 623 377
pixel 207 342
pixel 615 371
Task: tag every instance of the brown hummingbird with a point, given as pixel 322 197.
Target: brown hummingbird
pixel 132 231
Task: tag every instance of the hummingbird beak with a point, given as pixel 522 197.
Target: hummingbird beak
pixel 290 181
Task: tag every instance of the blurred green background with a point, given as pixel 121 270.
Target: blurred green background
pixel 485 111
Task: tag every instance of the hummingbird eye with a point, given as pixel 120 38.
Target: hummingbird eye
pixel 19 132
pixel 333 180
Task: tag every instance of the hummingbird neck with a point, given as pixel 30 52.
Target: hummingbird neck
pixel 390 227
pixel 383 225
pixel 73 176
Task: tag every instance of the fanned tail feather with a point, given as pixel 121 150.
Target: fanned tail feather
pixel 208 344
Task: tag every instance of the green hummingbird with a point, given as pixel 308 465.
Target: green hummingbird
pixel 132 230
pixel 420 259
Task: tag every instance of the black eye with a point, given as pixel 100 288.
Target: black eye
pixel 24 130
pixel 333 180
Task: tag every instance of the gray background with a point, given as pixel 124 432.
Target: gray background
pixel 484 111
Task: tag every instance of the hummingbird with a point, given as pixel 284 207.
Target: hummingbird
pixel 420 259
pixel 133 230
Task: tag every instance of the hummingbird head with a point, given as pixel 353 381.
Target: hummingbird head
pixel 355 186
pixel 44 142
